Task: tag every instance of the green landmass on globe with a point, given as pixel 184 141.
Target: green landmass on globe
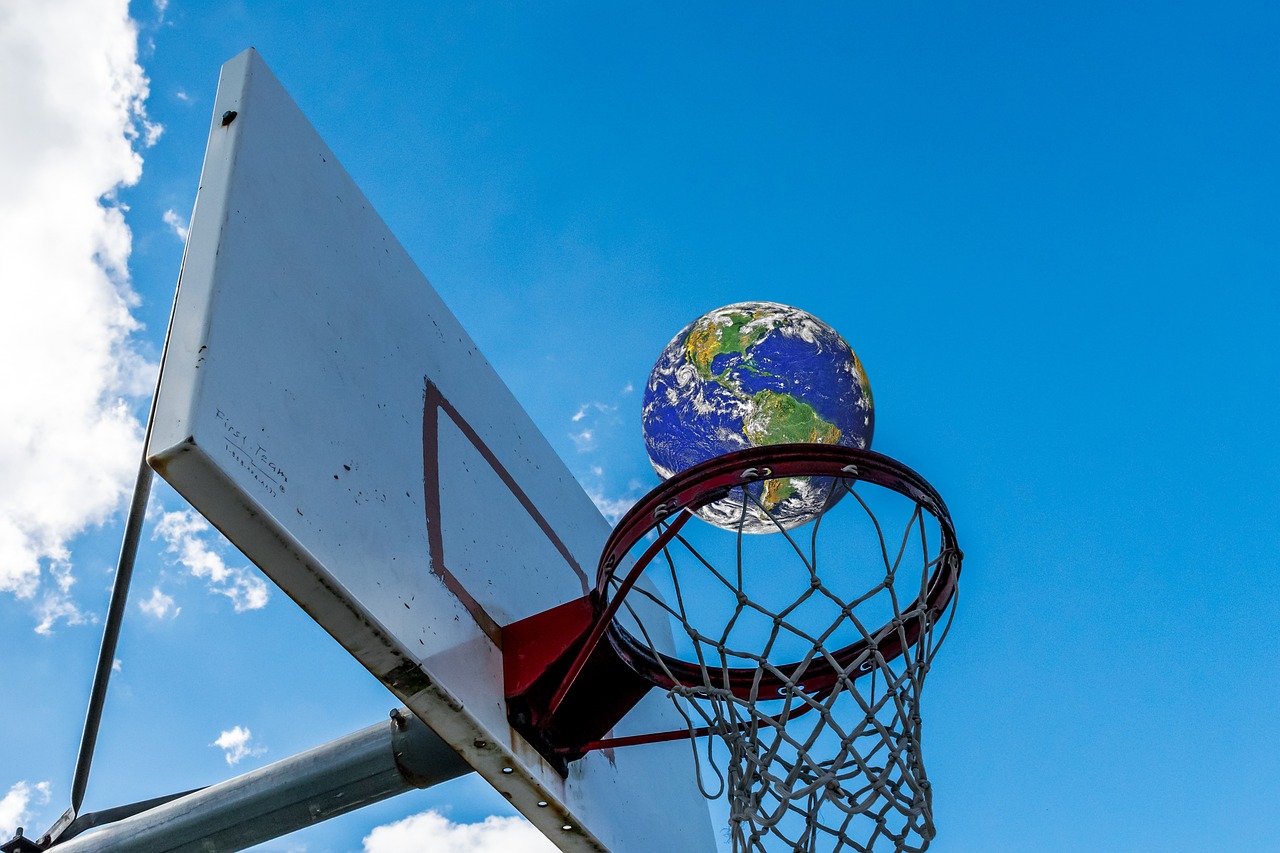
pixel 748 375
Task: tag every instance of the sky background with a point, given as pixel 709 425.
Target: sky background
pixel 1050 232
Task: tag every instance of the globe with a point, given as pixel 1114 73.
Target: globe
pixel 753 374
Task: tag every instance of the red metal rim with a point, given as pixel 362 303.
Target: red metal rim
pixel 712 480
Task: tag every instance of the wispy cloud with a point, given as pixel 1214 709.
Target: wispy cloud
pixel 592 418
pixel 184 533
pixel 55 604
pixel 433 831
pixel 613 506
pixel 596 406
pixel 15 805
pixel 159 605
pixel 70 440
pixel 237 744
pixel 610 507
pixel 598 427
pixel 177 223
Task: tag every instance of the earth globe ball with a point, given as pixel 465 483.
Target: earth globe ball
pixel 753 374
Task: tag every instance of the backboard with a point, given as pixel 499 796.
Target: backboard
pixel 324 409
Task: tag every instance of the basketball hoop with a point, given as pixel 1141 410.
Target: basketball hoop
pixel 799 658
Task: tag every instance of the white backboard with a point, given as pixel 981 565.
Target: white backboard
pixel 325 410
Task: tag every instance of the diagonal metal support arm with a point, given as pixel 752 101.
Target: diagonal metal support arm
pixel 107 651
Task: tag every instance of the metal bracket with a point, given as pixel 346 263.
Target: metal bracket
pixel 19 844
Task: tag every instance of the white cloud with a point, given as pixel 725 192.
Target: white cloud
pixel 159 605
pixel 72 95
pixel 596 432
pixel 14 806
pixel 55 603
pixel 54 606
pixel 177 223
pixel 432 832
pixel 610 507
pixel 587 408
pixel 151 134
pixel 596 423
pixel 585 440
pixel 237 744
pixel 183 533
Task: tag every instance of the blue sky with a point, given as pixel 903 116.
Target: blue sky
pixel 1049 233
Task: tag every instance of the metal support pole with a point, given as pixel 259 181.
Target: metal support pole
pixel 107 650
pixel 111 632
pixel 358 770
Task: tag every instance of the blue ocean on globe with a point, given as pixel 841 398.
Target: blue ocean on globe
pixel 753 374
